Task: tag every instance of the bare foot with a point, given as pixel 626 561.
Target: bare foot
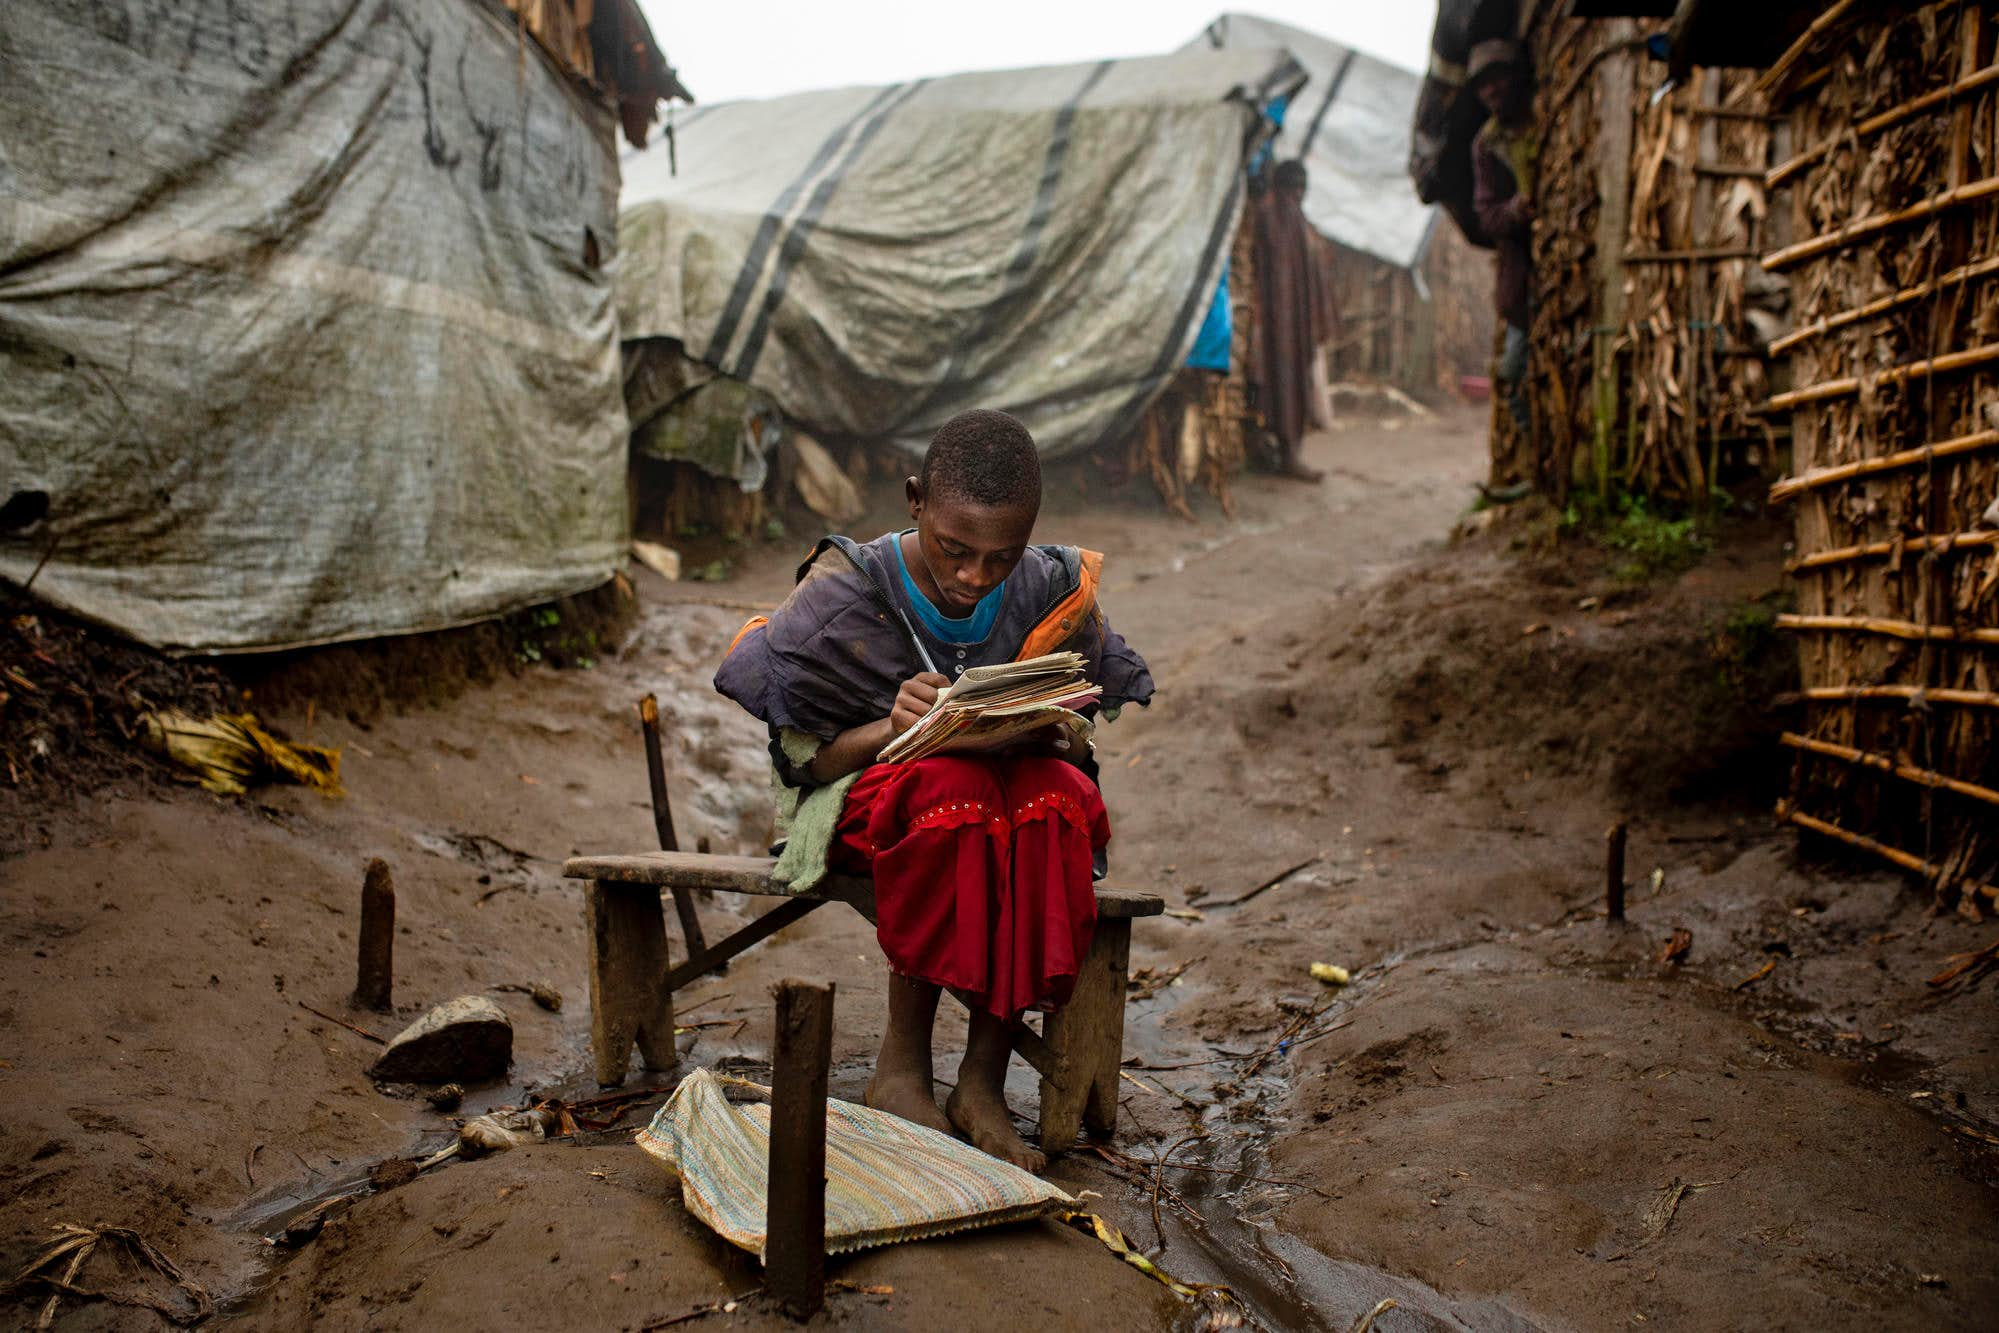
pixel 909 1098
pixel 982 1115
pixel 1293 470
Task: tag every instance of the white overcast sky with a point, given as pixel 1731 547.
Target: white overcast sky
pixel 725 51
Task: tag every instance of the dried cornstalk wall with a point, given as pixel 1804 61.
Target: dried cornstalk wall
pixel 1459 276
pixel 1650 310
pixel 1422 341
pixel 1890 202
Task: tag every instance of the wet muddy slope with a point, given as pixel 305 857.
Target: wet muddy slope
pixel 1514 1116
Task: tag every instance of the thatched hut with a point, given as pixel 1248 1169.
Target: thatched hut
pixel 1650 310
pixel 1886 224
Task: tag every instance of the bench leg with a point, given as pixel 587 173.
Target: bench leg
pixel 1087 1036
pixel 628 959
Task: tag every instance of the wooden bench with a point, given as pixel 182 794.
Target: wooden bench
pixel 632 980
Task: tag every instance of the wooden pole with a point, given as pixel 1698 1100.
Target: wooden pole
pixel 1847 385
pixel 1875 223
pixel 662 822
pixel 1941 543
pixel 1920 776
pixel 795 1253
pixel 1868 467
pixel 1782 172
pixel 1613 162
pixel 1900 629
pixel 1613 869
pixel 1909 694
pixel 1955 278
pixel 375 971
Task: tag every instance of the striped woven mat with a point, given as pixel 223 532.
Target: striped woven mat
pixel 886 1179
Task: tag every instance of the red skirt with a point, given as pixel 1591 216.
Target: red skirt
pixel 982 872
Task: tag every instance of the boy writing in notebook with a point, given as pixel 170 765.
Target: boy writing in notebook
pixel 982 863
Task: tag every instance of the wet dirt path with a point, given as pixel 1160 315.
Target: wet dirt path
pixel 1487 1125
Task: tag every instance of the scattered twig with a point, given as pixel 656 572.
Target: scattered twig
pixel 1147 982
pixel 358 1031
pixel 1159 1179
pixel 1757 975
pixel 1226 1057
pixel 1235 1172
pixel 1974 964
pixel 1366 1321
pixel 1666 1205
pixel 1267 885
pixel 79 1243
pixel 1297 1025
pixel 703 1004
pixel 727 1306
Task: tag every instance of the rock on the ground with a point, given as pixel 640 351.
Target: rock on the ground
pixel 467 1038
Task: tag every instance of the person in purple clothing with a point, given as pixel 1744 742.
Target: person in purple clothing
pixel 1505 156
pixel 982 863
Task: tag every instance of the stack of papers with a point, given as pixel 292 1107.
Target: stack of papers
pixel 992 707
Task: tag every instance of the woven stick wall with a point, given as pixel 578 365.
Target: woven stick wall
pixel 1459 276
pixel 1391 332
pixel 1890 197
pixel 1650 311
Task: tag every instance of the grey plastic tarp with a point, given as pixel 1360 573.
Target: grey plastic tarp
pixel 1043 241
pixel 298 325
pixel 1351 124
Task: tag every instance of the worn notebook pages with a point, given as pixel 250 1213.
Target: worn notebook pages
pixel 991 707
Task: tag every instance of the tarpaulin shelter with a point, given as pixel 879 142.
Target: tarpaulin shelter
pixel 306 325
pixel 1045 241
pixel 1415 302
pixel 1350 125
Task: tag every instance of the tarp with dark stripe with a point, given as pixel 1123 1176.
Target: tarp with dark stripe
pixel 877 259
pixel 1350 124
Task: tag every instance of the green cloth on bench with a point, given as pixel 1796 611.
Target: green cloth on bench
pixel 807 817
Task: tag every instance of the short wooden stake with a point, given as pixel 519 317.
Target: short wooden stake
pixel 1613 870
pixel 662 820
pixel 801 1056
pixel 375 971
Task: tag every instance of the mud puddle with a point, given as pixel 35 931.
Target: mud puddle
pixel 1215 1224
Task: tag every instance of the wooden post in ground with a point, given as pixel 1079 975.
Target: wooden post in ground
pixel 374 974
pixel 1087 1036
pixel 795 1253
pixel 662 821
pixel 628 961
pixel 1613 870
pixel 1613 78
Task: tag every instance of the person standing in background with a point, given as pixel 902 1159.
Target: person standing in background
pixel 1295 303
pixel 1504 158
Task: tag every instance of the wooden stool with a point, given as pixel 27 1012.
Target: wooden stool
pixel 632 981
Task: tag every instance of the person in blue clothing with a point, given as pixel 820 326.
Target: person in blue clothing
pixel 982 863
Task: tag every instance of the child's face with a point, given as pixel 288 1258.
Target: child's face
pixel 968 549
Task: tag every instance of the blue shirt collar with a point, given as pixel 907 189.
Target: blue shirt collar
pixel 971 629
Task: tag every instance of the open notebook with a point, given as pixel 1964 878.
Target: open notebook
pixel 991 707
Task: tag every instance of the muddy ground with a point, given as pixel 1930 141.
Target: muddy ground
pixel 1515 1115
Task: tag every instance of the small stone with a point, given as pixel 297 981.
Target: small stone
pixel 445 1098
pixel 547 996
pixel 467 1038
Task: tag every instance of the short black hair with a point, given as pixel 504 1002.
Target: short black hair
pixel 1290 174
pixel 985 457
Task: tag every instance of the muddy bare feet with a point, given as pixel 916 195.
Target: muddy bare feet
pixel 1293 470
pixel 981 1114
pixel 907 1096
